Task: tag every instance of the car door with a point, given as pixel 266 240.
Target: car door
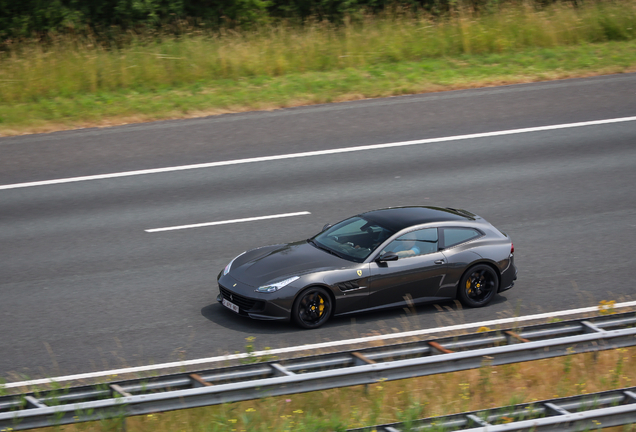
pixel 414 276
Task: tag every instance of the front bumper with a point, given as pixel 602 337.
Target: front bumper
pixel 262 306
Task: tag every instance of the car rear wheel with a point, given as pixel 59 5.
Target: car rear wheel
pixel 312 308
pixel 478 286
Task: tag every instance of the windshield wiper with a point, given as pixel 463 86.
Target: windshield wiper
pixel 326 249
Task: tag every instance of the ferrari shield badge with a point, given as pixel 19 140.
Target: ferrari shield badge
pixel 359 272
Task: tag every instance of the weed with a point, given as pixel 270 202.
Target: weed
pixel 251 357
pixel 606 307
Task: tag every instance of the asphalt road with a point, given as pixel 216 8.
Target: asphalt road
pixel 84 287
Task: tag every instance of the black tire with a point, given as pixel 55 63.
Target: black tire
pixel 312 308
pixel 478 286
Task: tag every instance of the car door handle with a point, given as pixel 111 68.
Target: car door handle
pixel 439 261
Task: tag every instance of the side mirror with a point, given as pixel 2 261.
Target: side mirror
pixel 387 256
pixel 326 227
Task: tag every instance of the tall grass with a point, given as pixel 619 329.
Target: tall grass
pixel 72 66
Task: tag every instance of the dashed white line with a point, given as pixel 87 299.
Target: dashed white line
pixel 332 344
pixel 231 221
pixel 317 153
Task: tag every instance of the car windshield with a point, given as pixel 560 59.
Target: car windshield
pixel 353 239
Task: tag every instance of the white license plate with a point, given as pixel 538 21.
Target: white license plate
pixel 229 305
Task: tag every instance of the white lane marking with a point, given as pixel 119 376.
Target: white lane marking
pixel 428 331
pixel 316 153
pixel 231 221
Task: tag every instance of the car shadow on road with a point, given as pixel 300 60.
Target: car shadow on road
pixel 386 321
pixel 224 317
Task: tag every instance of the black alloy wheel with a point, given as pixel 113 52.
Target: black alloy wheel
pixel 478 286
pixel 312 308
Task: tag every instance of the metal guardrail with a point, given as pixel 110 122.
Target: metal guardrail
pixel 275 378
pixel 576 413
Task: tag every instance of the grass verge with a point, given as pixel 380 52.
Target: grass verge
pixel 404 400
pixel 75 83
pixel 124 106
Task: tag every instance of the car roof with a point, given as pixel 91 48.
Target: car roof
pixel 398 218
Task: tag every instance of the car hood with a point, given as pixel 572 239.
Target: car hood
pixel 264 265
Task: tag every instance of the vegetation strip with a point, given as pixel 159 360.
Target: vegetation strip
pixel 404 401
pixel 315 373
pixel 606 307
pixel 75 82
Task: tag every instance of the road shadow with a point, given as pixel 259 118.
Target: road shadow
pixel 224 317
pixel 443 313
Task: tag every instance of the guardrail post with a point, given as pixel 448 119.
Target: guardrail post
pixel 512 338
pixel 34 402
pixel 630 395
pixel 359 360
pixel 198 381
pixel 591 328
pixel 481 422
pixel 280 370
pixel 555 409
pixel 438 349
pixel 117 391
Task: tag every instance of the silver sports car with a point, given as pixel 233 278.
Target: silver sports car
pixel 379 259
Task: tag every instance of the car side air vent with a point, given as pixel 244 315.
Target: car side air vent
pixel 349 285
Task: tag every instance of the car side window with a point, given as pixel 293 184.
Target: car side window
pixel 415 243
pixel 455 236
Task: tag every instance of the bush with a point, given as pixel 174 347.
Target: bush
pixel 37 18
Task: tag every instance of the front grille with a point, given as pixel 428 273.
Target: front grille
pixel 244 303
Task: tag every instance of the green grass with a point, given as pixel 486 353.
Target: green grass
pixel 75 82
pixel 265 92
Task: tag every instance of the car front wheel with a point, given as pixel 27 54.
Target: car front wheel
pixel 312 308
pixel 478 286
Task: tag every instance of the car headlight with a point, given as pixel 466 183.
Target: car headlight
pixel 276 286
pixel 227 268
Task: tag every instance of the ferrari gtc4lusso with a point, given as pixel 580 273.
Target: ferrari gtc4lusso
pixel 394 257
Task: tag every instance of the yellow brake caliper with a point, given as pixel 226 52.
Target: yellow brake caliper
pixel 468 288
pixel 321 307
